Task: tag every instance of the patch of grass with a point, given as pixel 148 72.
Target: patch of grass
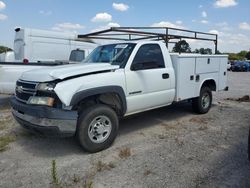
pixel 169 126
pixel 5 141
pixel 88 184
pixel 125 153
pixel 245 98
pixel 55 179
pixel 5 122
pixel 199 120
pixel 101 166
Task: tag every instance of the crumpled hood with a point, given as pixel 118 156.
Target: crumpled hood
pixel 64 71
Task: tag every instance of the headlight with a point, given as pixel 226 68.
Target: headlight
pixel 46 86
pixel 47 101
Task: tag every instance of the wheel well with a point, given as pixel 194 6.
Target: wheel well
pixel 111 99
pixel 209 83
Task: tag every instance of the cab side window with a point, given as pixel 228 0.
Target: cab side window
pixel 149 56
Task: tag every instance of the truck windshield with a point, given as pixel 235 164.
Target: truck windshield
pixel 115 54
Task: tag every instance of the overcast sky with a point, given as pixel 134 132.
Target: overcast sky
pixel 230 19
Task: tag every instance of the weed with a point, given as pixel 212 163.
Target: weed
pixel 179 142
pixel 124 153
pixel 76 179
pixel 55 180
pixel 88 184
pixel 199 120
pixel 111 165
pixel 161 136
pixel 5 140
pixel 101 166
pixel 245 98
pixel 169 126
pixel 147 172
pixel 202 128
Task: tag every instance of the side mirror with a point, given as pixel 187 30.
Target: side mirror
pixel 144 65
pixel 136 66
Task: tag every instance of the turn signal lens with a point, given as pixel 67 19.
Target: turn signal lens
pixel 47 101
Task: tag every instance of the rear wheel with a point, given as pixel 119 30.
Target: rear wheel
pixel 202 104
pixel 97 128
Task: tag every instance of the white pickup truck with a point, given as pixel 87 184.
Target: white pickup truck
pixel 87 100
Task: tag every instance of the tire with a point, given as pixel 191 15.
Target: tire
pixel 202 104
pixel 97 128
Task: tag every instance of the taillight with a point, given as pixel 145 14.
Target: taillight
pixel 25 61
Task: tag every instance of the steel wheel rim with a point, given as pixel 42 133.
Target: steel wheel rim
pixel 99 129
pixel 205 101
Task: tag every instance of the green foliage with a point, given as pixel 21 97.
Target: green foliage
pixel 248 55
pixel 55 180
pixel 239 56
pixel 218 52
pixel 242 54
pixel 5 140
pixel 182 46
pixel 4 49
pixel 203 51
pixel 88 184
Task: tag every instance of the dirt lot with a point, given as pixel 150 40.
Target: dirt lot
pixel 168 147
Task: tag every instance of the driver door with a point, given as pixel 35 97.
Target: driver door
pixel 148 80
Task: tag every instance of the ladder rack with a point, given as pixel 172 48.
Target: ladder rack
pixel 167 34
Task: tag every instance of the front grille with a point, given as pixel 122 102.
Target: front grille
pixel 24 90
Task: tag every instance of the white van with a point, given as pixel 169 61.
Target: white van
pixel 33 45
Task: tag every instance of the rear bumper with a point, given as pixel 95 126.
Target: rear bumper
pixel 44 120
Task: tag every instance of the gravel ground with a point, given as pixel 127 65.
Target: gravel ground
pixel 167 147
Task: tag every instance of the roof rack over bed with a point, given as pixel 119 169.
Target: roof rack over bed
pixel 167 34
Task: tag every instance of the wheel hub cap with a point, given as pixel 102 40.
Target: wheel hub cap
pixel 99 129
pixel 205 101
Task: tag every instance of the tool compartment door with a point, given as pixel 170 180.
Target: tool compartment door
pixel 223 73
pixel 207 65
pixel 185 78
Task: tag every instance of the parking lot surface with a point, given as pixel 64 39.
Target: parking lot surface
pixel 167 147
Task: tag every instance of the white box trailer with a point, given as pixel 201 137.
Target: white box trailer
pixel 39 49
pixel 7 56
pixel 33 45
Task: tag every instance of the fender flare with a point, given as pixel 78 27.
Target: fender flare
pixel 208 79
pixel 79 96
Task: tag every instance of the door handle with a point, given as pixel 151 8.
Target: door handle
pixel 197 78
pixel 165 76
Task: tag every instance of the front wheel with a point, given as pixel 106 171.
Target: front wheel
pixel 97 128
pixel 202 104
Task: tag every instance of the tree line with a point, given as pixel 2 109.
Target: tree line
pixel 183 47
pixel 4 49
